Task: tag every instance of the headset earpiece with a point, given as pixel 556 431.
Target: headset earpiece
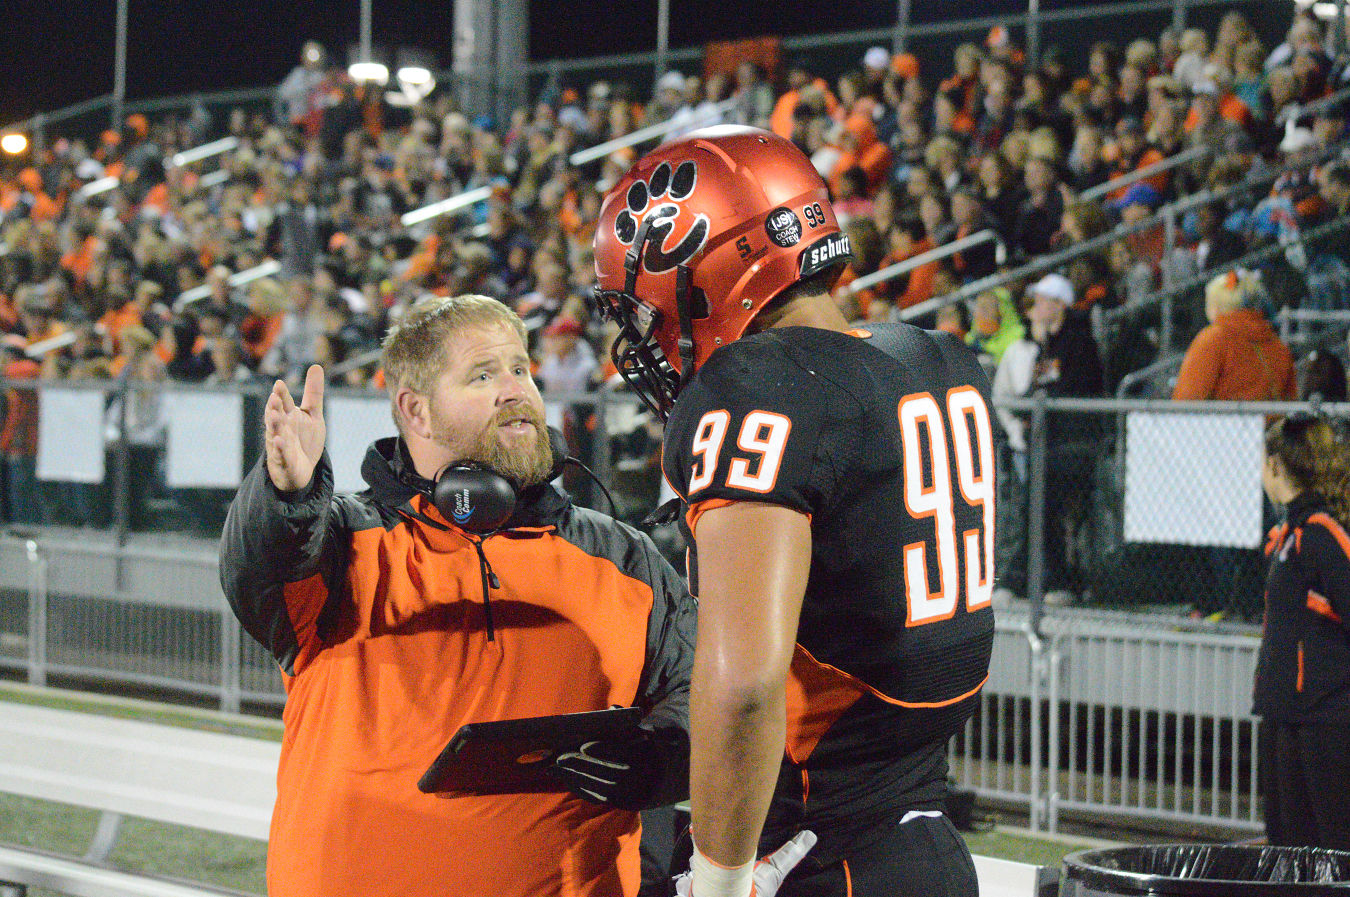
pixel 558 443
pixel 481 500
pixel 473 497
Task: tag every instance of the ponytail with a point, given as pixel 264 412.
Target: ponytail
pixel 1332 470
pixel 1316 456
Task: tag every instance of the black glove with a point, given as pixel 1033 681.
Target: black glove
pixel 648 770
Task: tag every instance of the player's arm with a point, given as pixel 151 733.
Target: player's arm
pixel 753 562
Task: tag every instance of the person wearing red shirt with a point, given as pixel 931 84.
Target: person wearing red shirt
pixel 18 433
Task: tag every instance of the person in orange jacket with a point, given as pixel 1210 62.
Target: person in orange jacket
pixel 1238 356
pixel 798 76
pixel 397 616
pixel 861 148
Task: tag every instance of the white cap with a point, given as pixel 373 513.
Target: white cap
pixel 671 80
pixel 1297 139
pixel 877 58
pixel 1054 286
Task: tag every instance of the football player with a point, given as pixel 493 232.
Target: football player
pixel 839 495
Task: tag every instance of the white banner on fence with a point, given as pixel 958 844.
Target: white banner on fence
pixel 205 445
pixel 353 424
pixel 70 435
pixel 1193 479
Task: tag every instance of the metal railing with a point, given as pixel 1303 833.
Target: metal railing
pixel 1165 298
pixel 899 269
pixel 1289 318
pixel 1162 166
pixel 237 279
pixel 1296 111
pixel 904 32
pixel 1167 217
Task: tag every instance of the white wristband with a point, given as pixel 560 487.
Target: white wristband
pixel 712 879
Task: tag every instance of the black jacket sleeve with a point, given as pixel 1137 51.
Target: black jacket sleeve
pixel 664 691
pixel 273 541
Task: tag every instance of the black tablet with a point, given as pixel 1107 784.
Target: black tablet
pixel 512 756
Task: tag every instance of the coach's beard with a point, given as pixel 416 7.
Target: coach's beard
pixel 524 465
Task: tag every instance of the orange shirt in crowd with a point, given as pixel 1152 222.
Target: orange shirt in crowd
pixel 780 121
pixel 19 427
pixel 1231 108
pixel 868 153
pixel 115 320
pixel 423 260
pixel 1148 157
pixel 79 260
pixel 257 334
pixel 920 286
pixel 9 313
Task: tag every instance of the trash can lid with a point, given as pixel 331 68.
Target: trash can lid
pixel 1212 870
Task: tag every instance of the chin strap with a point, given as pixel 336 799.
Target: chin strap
pixel 685 342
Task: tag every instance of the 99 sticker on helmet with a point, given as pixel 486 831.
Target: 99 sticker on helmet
pixel 696 239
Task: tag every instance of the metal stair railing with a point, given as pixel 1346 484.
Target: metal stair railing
pixel 1168 213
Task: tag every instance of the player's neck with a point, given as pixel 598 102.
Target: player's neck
pixel 808 311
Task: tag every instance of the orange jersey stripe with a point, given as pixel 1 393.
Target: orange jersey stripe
pixel 699 508
pixel 1336 530
pixel 896 701
pixel 1319 604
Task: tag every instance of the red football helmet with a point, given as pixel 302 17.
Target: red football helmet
pixel 696 239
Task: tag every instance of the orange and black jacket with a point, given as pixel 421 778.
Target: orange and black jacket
pixel 1303 669
pixel 393 628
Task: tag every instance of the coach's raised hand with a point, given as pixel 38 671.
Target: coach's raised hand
pixel 294 434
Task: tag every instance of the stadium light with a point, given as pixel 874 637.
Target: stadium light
pixel 14 144
pixel 369 72
pixel 414 75
pixel 1321 10
pixel 416 82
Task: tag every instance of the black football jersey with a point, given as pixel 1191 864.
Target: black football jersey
pixel 883 437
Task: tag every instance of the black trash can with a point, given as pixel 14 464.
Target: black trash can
pixel 1206 870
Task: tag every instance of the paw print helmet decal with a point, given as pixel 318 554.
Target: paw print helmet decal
pixel 696 239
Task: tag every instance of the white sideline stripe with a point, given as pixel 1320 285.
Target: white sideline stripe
pixel 208 780
pixel 225 752
pixel 17 776
pixel 82 880
pixel 249 820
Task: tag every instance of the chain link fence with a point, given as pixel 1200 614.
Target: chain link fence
pixel 1117 705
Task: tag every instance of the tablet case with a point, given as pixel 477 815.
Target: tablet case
pixel 512 756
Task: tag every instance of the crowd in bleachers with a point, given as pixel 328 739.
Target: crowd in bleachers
pixel 914 159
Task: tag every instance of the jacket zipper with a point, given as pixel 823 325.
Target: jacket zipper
pixel 490 582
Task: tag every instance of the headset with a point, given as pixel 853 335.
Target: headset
pixel 480 500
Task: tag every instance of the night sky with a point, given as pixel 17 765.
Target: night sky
pixel 57 52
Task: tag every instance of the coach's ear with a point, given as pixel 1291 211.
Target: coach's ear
pixel 414 412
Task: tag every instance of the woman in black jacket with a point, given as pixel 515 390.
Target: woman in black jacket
pixel 1302 689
